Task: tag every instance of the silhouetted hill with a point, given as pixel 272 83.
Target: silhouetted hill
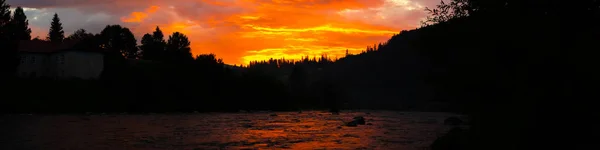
pixel 386 78
pixel 447 62
pixel 514 71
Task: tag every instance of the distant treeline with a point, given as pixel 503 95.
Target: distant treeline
pixel 149 86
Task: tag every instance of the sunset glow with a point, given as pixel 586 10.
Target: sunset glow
pixel 140 16
pixel 240 31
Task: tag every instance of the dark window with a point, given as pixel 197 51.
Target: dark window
pixel 33 60
pixel 23 59
pixel 61 59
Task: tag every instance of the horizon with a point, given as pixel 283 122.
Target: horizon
pixel 240 31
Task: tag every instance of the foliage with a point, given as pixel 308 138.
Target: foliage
pixel 147 49
pixel 158 35
pixel 4 18
pixel 8 58
pixel 37 38
pixel 119 39
pixel 153 45
pixel 178 48
pixel 56 33
pixel 444 12
pixel 20 25
pixel 79 35
pixel 130 48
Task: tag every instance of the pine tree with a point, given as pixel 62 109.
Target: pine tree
pixel 8 52
pixel 153 45
pixel 159 43
pixel 4 19
pixel 56 33
pixel 158 36
pixel 20 25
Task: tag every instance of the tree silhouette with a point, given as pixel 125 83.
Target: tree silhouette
pixel 112 38
pixel 8 53
pixel 178 48
pixel 37 38
pixel 56 33
pixel 118 39
pixel 86 41
pixel 158 36
pixel 80 35
pixel 153 45
pixel 4 19
pixel 20 25
pixel 208 60
pixel 130 50
pixel 147 47
pixel 209 67
pixel 159 44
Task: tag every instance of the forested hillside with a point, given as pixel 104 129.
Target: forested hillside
pixel 508 64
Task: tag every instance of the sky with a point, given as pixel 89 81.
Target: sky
pixel 240 31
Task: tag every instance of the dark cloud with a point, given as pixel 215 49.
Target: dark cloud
pixel 72 19
pixel 87 6
pixel 56 3
pixel 77 3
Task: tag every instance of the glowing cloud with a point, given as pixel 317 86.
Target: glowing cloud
pixel 322 28
pixel 140 16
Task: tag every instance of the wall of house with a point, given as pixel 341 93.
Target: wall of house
pixel 83 65
pixel 33 65
pixel 54 61
pixel 68 64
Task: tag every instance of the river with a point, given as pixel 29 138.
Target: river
pixel 266 130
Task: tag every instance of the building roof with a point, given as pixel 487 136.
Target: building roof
pixel 38 46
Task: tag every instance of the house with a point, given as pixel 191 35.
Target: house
pixel 58 61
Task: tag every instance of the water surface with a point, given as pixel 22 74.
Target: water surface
pixel 285 130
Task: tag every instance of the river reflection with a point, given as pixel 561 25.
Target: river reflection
pixel 288 130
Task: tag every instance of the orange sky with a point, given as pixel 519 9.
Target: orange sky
pixel 240 31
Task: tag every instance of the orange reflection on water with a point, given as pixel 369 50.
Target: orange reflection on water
pixel 290 130
pixel 318 130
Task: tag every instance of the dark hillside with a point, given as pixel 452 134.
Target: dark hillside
pixel 514 70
